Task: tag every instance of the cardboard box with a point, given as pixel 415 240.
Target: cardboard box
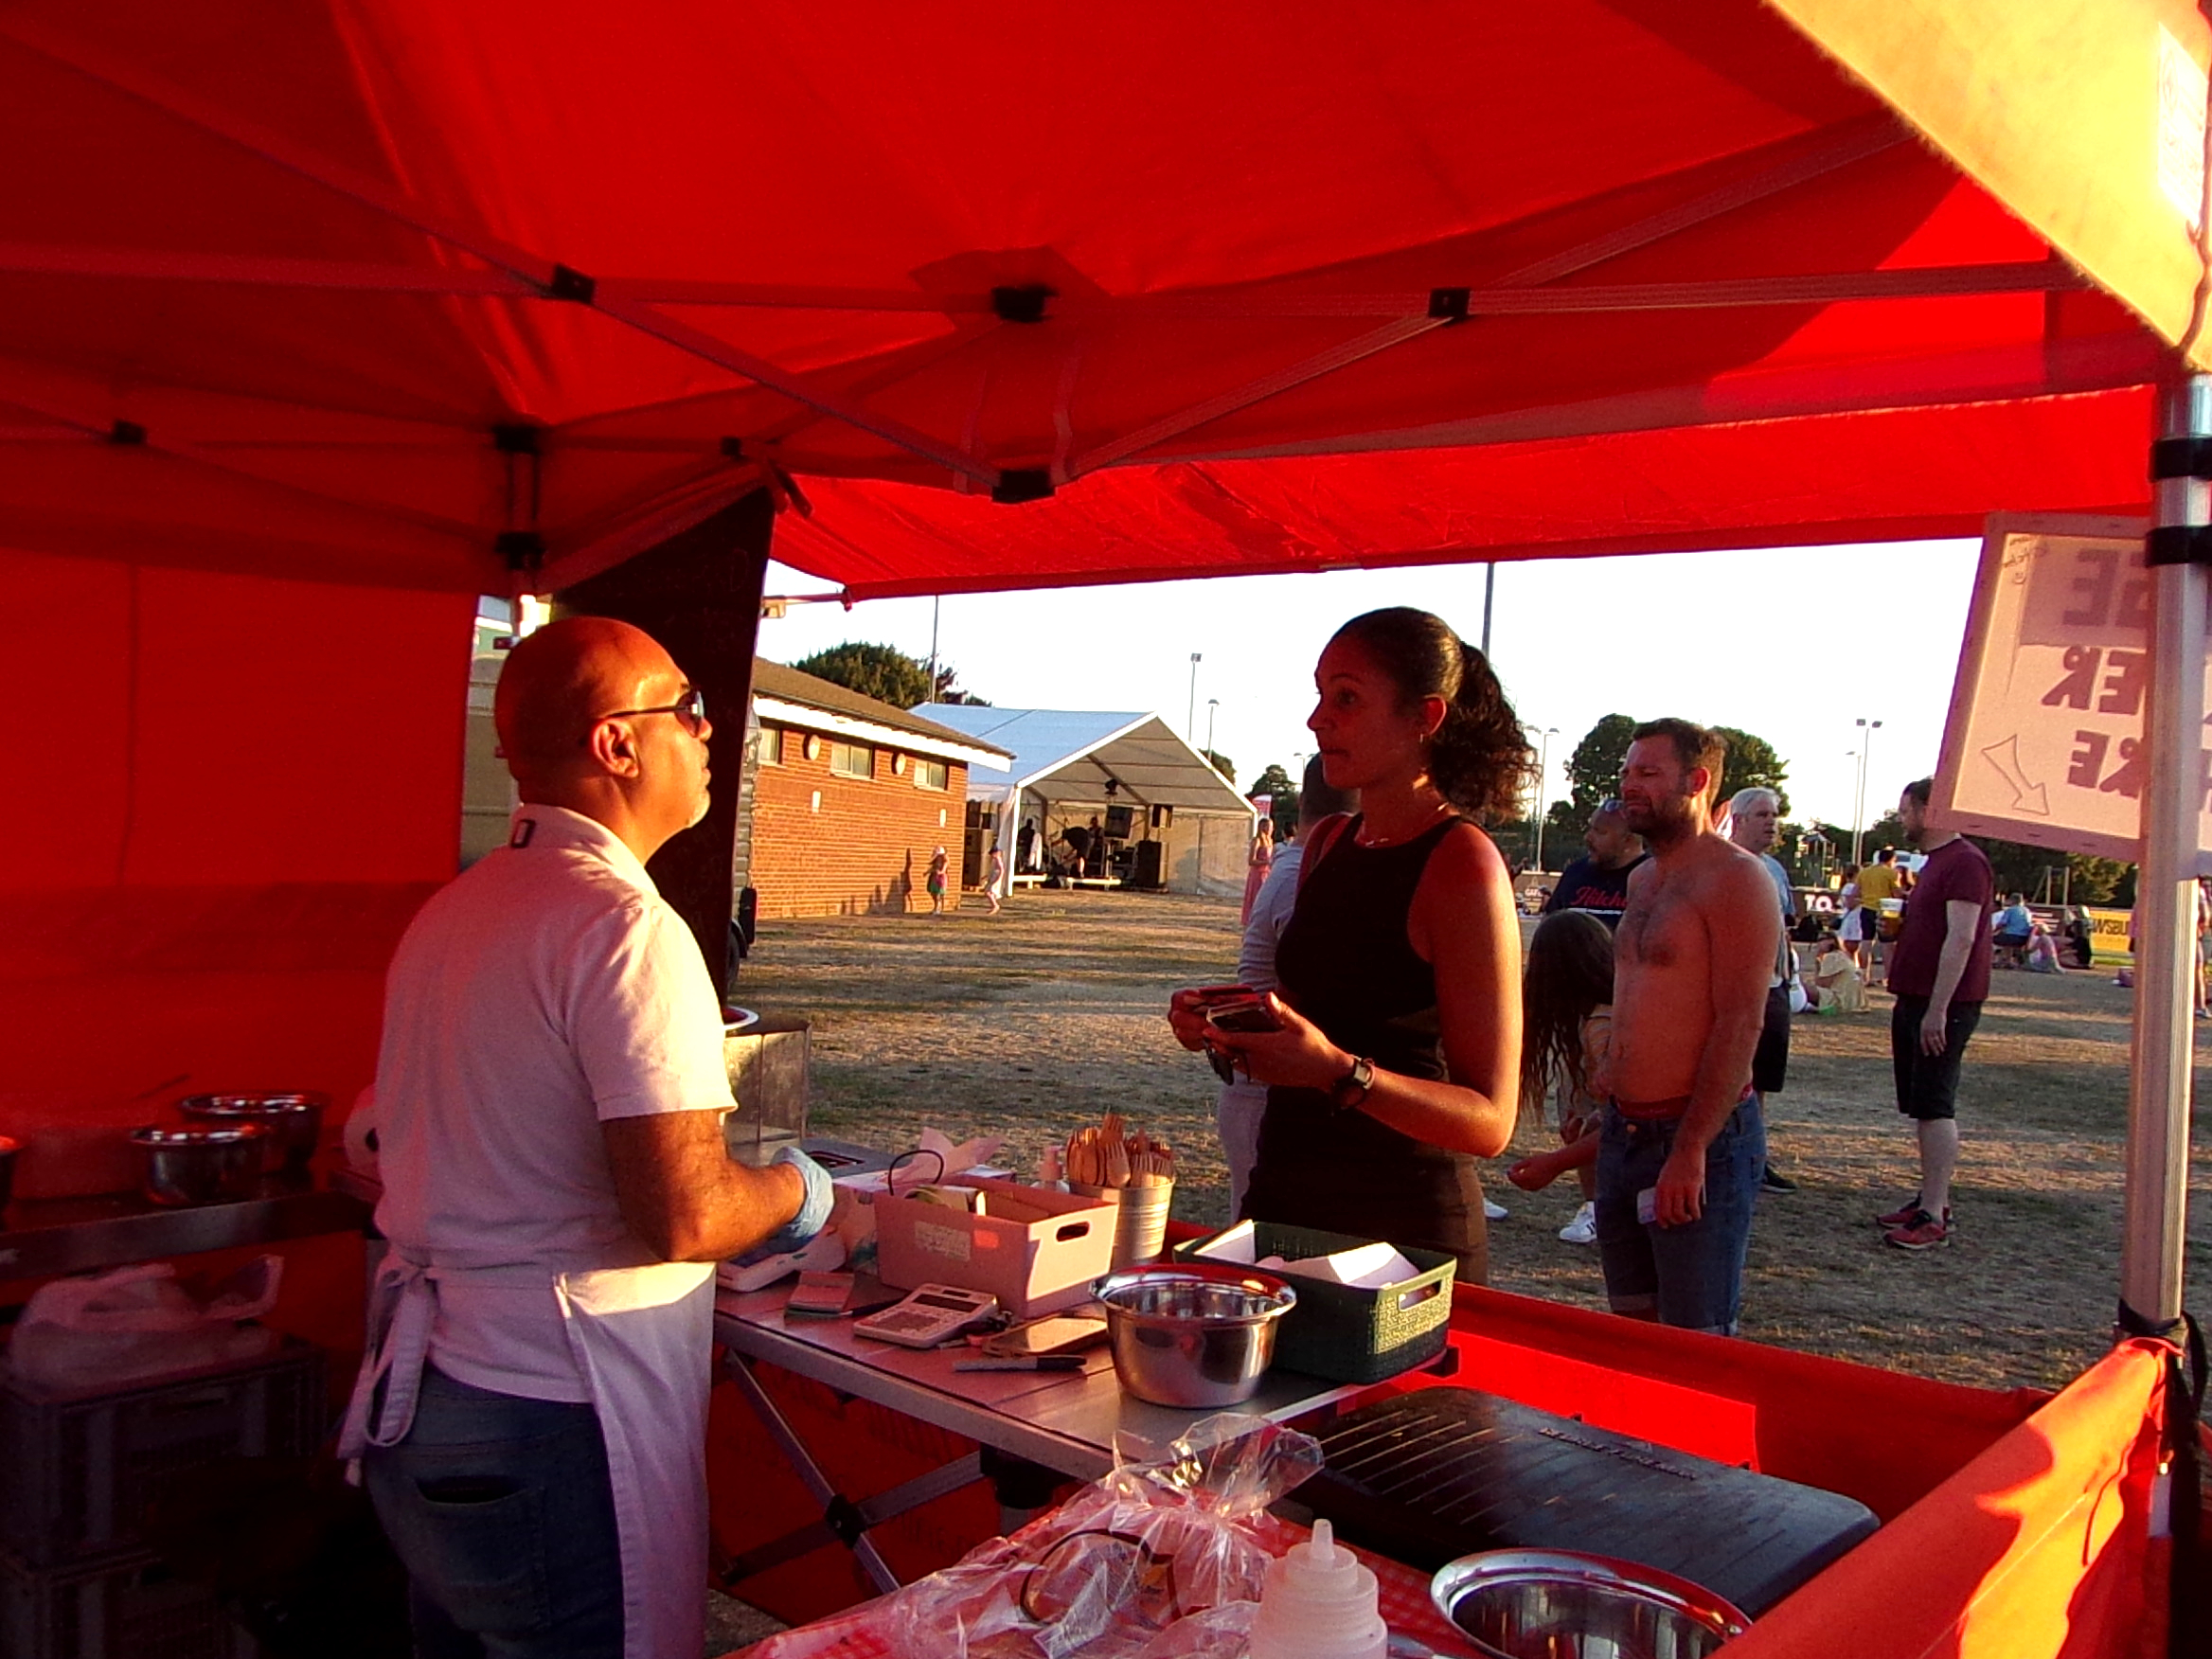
pixel 1032 1266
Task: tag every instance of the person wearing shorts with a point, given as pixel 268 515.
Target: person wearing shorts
pixel 1940 973
pixel 1690 1274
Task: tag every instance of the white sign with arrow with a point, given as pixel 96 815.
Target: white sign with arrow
pixel 2046 717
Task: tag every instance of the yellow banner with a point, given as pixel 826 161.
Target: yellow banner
pixel 2108 935
pixel 2086 118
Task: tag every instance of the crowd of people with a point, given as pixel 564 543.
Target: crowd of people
pixel 1652 1019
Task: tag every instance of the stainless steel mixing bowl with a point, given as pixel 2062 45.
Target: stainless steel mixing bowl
pixel 200 1163
pixel 293 1118
pixel 1562 1604
pixel 1192 1335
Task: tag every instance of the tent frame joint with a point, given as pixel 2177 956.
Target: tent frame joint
pixel 2178 544
pixel 127 435
pixel 2181 457
pixel 524 551
pixel 1021 303
pixel 1020 484
pixel 517 438
pixel 1449 305
pixel 571 284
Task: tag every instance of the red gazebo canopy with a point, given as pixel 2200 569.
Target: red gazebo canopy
pixel 464 297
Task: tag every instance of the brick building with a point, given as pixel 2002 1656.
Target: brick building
pixel 849 797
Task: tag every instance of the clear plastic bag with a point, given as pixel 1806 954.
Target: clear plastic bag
pixel 1161 1557
pixel 106 1330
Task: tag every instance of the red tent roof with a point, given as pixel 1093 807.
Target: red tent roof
pixel 411 293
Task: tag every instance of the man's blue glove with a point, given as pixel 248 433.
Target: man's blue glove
pixel 813 1210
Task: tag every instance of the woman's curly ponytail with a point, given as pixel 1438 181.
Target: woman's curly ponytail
pixel 1478 760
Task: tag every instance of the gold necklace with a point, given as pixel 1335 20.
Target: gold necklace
pixel 1366 839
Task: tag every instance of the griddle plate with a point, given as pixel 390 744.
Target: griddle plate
pixel 1436 1473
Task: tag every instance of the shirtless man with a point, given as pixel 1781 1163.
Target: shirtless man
pixel 1682 1148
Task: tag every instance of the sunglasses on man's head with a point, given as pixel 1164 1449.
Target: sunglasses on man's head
pixel 691 708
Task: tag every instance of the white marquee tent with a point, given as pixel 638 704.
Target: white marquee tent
pixel 1070 765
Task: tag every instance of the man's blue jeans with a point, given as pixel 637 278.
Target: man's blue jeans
pixel 502 1513
pixel 1691 1276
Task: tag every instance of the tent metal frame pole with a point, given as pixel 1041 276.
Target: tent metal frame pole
pixel 545 275
pixel 2152 1233
pixel 226 270
pixel 1855 142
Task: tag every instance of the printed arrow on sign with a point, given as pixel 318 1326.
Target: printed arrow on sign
pixel 2026 798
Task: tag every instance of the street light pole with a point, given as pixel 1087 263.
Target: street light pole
pixel 1543 740
pixel 1190 714
pixel 1212 705
pixel 1868 730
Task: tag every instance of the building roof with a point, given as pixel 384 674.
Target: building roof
pixel 792 697
pixel 1070 754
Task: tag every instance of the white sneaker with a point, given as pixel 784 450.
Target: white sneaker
pixel 1583 1228
pixel 1493 1212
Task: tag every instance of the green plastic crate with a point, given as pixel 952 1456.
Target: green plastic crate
pixel 1340 1332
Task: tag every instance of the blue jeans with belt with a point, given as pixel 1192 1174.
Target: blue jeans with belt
pixel 1691 1276
pixel 503 1512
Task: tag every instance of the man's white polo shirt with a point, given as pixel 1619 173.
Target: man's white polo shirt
pixel 547 988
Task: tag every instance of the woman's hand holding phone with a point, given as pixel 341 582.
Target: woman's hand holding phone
pixel 1264 1036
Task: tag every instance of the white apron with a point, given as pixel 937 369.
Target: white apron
pixel 642 1337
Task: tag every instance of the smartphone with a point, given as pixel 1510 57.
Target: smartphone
pixel 1247 1014
pixel 1063 1333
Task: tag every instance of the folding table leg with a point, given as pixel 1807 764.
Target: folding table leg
pixel 843 1520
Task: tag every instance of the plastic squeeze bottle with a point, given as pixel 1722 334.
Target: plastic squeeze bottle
pixel 1318 1603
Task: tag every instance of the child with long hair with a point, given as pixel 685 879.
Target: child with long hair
pixel 1566 1028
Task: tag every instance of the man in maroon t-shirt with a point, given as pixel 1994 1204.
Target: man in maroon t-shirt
pixel 1940 973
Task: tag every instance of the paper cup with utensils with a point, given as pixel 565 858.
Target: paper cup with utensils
pixel 1140 1219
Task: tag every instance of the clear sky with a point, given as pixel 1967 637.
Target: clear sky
pixel 1792 643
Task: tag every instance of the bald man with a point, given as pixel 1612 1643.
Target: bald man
pixel 531 1416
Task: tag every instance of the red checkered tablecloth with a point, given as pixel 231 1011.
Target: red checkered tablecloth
pixel 861 1632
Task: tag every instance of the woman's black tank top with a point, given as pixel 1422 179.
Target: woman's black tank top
pixel 1346 963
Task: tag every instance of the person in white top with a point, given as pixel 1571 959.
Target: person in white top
pixel 1243 1103
pixel 530 1417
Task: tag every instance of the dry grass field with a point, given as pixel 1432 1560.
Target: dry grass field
pixel 1026 1023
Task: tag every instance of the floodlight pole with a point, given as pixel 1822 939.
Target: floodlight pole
pixel 1490 589
pixel 2166 895
pixel 1859 809
pixel 1543 740
pixel 1212 707
pixel 1190 714
pixel 935 606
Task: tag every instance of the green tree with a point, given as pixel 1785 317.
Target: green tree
pixel 881 671
pixel 1283 794
pixel 2100 880
pixel 1751 763
pixel 1593 769
pixel 885 674
pixel 1886 830
pixel 1223 764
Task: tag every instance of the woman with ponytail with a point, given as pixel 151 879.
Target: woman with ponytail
pixel 1398 1060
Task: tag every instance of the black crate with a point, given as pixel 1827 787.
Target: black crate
pixel 117 1607
pixel 78 1472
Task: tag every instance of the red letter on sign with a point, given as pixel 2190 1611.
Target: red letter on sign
pixel 2080 678
pixel 2096 586
pixel 2123 686
pixel 2134 772
pixel 2086 764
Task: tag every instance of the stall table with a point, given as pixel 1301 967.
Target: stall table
pixel 1066 1421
